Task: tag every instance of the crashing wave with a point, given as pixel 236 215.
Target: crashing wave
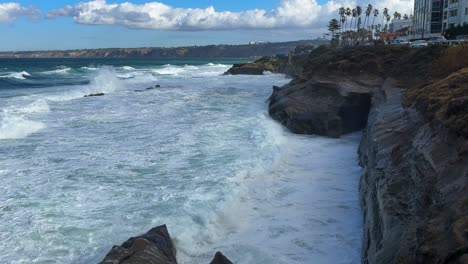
pixel 16 75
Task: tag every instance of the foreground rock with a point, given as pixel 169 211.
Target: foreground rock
pixel 323 107
pixel 219 258
pixel 153 247
pixel 414 188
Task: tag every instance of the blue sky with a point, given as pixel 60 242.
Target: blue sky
pixel 68 24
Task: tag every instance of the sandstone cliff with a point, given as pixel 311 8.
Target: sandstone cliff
pixel 414 150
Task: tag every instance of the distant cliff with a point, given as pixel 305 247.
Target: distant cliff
pixel 210 51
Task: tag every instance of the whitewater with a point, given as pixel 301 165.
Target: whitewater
pixel 198 153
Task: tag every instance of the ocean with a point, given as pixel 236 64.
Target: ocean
pixel 198 153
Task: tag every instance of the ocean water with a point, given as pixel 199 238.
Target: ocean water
pixel 199 154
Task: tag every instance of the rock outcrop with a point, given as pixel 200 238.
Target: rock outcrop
pixel 153 247
pixel 414 188
pixel 330 107
pixel 219 258
pixel 258 67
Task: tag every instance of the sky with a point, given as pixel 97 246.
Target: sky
pixel 78 24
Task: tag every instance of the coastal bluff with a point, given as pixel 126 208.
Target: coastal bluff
pixel 414 151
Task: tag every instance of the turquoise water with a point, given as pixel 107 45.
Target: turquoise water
pixel 199 154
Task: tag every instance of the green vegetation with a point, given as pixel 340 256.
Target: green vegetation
pixel 275 61
pixel 445 98
pixel 435 77
pixel 452 33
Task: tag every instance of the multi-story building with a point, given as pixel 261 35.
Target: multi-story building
pixel 455 13
pixel 399 24
pixel 428 17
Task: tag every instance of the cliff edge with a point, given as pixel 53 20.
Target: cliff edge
pixel 412 105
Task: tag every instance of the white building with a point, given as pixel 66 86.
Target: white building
pixel 455 13
pixel 398 24
pixel 428 17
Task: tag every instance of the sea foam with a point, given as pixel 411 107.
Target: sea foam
pixel 16 126
pixel 16 75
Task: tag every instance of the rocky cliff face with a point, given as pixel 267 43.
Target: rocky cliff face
pixel 414 150
pixel 414 188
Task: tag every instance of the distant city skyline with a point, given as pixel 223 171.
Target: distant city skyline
pixel 72 24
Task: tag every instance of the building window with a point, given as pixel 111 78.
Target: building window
pixel 466 11
pixel 453 13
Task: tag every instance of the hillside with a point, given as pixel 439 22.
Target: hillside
pixel 210 51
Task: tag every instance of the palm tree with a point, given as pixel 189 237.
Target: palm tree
pixel 358 12
pixel 385 13
pixel 347 13
pixel 368 13
pixel 333 26
pixel 354 14
pixel 341 11
pixel 405 16
pixel 376 14
pixel 388 20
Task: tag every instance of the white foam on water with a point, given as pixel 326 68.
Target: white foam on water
pixel 38 106
pixel 89 68
pixel 128 68
pixel 104 80
pixel 200 155
pixel 58 71
pixel 16 75
pixel 17 126
pixel 169 70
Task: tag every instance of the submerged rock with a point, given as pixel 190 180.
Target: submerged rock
pixel 148 88
pixel 96 94
pixel 328 108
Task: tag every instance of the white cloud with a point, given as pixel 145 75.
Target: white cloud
pixel 155 15
pixel 9 12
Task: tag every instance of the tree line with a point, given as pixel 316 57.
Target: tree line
pixel 354 25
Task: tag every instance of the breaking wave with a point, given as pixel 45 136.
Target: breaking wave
pixel 16 75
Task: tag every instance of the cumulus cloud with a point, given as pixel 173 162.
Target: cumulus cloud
pixel 155 15
pixel 9 12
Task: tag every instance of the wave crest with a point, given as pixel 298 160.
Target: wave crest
pixel 16 75
pixel 17 126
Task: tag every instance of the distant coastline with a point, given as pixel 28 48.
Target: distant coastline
pixel 209 51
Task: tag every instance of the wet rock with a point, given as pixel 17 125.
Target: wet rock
pixel 246 69
pixel 153 247
pixel 96 94
pixel 219 258
pixel 328 108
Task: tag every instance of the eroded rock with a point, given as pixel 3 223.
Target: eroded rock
pixel 328 108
